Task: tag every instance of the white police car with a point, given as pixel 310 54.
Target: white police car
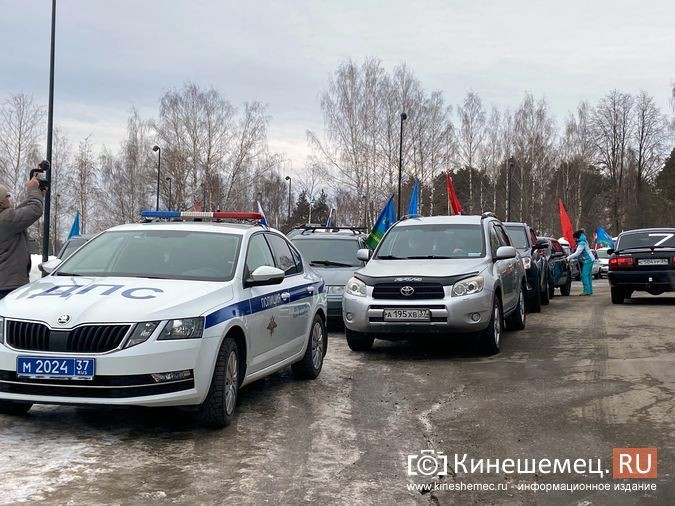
pixel 163 314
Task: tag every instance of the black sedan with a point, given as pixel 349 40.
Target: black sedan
pixel 559 269
pixel 643 260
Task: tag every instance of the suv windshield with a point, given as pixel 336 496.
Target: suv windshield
pixel 432 241
pixel 517 235
pixel 329 252
pixel 162 254
pixel 664 239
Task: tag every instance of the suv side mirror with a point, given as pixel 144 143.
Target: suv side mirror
pixel 506 253
pixel 265 275
pixel 363 254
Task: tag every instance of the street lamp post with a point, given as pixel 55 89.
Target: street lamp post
pixel 509 167
pixel 404 116
pixel 288 178
pixel 169 180
pixel 158 150
pixel 50 129
pixel 311 203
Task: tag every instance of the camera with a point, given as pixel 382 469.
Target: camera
pixel 42 167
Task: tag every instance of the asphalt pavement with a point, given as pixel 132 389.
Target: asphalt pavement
pixel 585 377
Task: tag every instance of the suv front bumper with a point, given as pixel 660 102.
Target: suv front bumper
pixel 469 313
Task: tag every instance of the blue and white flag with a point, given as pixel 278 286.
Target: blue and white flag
pixel 329 220
pixel 414 200
pixel 603 238
pixel 263 222
pixel 75 228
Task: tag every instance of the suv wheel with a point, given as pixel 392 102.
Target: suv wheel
pixel 14 408
pixel 312 361
pixel 567 287
pixel 618 295
pixel 217 410
pixel 359 341
pixel 544 292
pixel 516 320
pixel 490 338
pixel 551 287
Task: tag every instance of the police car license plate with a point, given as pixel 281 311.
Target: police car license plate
pixel 652 261
pixel 400 315
pixel 55 367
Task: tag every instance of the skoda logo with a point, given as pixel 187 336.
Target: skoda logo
pixel 63 319
pixel 407 291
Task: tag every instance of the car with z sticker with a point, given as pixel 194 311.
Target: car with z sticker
pixel 164 313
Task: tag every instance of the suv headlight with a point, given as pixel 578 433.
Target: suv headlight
pixel 527 262
pixel 356 287
pixel 142 331
pixel 468 286
pixel 184 328
pixel 336 289
pixel 2 330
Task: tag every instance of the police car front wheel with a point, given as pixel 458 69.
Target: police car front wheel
pixel 217 410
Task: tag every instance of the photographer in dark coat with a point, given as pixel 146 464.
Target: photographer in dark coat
pixel 14 256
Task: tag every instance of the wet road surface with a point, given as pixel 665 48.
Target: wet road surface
pixel 585 377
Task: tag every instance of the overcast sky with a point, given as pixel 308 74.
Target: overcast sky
pixel 115 54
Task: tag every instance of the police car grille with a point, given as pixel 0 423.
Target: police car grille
pixel 422 291
pixel 87 339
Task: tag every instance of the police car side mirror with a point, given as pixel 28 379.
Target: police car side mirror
pixel 506 253
pixel 363 254
pixel 265 275
pixel 50 266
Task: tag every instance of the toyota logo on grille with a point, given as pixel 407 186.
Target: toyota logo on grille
pixel 407 291
pixel 63 319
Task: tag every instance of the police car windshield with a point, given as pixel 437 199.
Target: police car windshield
pixel 432 242
pixel 159 254
pixel 518 236
pixel 329 253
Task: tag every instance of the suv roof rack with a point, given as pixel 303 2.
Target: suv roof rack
pixel 311 229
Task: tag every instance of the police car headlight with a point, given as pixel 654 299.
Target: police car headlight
pixel 185 328
pixel 468 286
pixel 356 287
pixel 2 330
pixel 142 331
pixel 527 262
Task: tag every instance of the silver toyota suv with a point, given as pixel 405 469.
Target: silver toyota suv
pixel 442 274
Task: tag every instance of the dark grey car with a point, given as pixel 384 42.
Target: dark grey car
pixel 332 254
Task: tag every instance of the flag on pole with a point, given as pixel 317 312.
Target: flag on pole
pixel 75 228
pixel 604 239
pixel 263 222
pixel 454 206
pixel 566 225
pixel 414 200
pixel 329 220
pixel 384 221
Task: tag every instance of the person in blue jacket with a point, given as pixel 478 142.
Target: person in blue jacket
pixel 585 256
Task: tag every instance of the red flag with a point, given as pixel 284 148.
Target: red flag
pixel 455 206
pixel 566 226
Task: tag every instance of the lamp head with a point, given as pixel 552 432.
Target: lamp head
pixel 155 148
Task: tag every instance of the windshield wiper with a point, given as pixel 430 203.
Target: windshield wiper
pixel 423 257
pixel 330 262
pixel 390 257
pixel 67 274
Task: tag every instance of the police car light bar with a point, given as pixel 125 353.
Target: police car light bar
pixel 217 215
